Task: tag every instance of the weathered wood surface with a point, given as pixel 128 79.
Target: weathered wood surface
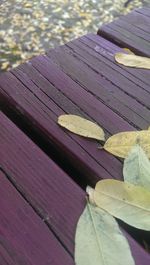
pixel 107 49
pixel 51 193
pixel 90 61
pixel 145 11
pixel 42 112
pixel 132 31
pixel 80 78
pixel 24 237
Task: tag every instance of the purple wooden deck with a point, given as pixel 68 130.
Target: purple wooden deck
pixel 51 193
pixel 53 196
pixel 81 78
pixel 132 31
pixel 24 237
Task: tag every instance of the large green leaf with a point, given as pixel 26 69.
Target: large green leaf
pixel 99 241
pixel 136 168
pixel 128 202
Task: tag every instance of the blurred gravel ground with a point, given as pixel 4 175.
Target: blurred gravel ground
pixel 28 28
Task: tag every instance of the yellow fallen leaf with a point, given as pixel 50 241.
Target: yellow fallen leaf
pixel 5 65
pixel 59 9
pixel 132 60
pixel 81 126
pixel 120 144
pixel 31 28
pixel 128 51
pixel 83 14
pixel 27 5
pixel 136 169
pixel 126 201
pixel 99 241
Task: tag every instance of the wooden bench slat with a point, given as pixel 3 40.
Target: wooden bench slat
pixel 145 11
pixel 125 40
pixel 86 105
pixel 129 36
pixel 106 89
pixel 57 199
pixel 25 238
pixel 86 101
pixel 98 76
pixel 65 142
pixel 130 29
pixel 138 20
pixel 44 110
pixel 49 190
pixel 139 77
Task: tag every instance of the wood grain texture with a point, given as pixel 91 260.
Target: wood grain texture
pixel 145 11
pixel 80 96
pixel 24 237
pixel 127 32
pixel 104 78
pixel 105 48
pixel 138 20
pixel 132 28
pixel 79 82
pixel 57 199
pixel 48 189
pixel 41 117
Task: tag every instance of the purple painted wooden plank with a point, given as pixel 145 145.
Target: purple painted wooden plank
pixel 104 89
pixel 145 11
pixel 132 29
pixel 57 199
pixel 86 101
pixel 25 238
pixel 138 20
pixel 106 49
pixel 136 78
pixel 141 80
pixel 84 155
pixel 67 106
pixel 89 152
pixel 124 38
pixel 49 190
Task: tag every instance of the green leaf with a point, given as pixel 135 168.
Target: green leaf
pixel 128 202
pixel 99 241
pixel 136 168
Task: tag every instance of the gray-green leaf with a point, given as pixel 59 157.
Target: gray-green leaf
pixel 136 168
pixel 99 241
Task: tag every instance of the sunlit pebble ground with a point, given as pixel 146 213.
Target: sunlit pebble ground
pixel 28 28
